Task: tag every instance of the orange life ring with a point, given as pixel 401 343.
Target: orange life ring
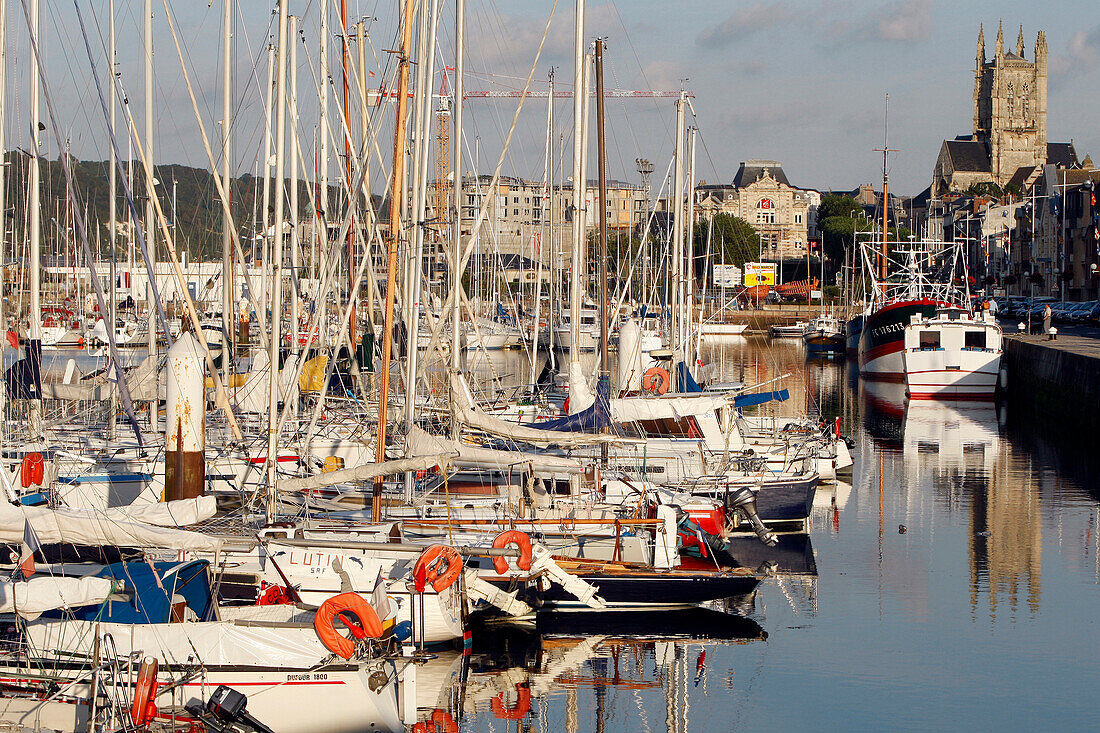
pixel 521 708
pixel 145 692
pixel 656 380
pixel 366 623
pixel 32 470
pixel 438 565
pixel 520 540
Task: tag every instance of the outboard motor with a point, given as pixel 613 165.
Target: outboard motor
pixel 743 501
pixel 225 711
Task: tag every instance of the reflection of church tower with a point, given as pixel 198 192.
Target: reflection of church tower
pixel 1006 537
pixel 1010 105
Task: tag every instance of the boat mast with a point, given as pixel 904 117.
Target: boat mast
pixel 3 191
pixel 429 25
pixel 394 234
pixel 265 216
pixel 456 192
pixel 678 241
pixel 150 192
pixel 112 210
pixel 295 244
pixel 34 342
pixel 277 251
pixel 689 260
pixel 547 225
pixel 368 208
pixel 601 162
pixel 885 150
pixel 577 264
pixel 347 162
pixel 227 172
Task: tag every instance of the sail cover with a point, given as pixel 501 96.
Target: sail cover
pixel 421 442
pixel 30 598
pixel 469 414
pixel 79 527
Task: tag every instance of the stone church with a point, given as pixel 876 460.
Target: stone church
pixel 1009 143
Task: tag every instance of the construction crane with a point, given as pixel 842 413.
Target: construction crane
pixel 566 94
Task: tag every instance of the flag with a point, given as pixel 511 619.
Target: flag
pixel 378 597
pixel 30 546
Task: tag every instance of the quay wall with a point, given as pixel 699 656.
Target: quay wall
pixel 1059 378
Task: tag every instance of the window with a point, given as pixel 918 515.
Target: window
pixel 929 339
pixel 975 339
pixel 765 217
pixel 798 218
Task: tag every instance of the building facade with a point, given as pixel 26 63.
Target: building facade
pixel 784 216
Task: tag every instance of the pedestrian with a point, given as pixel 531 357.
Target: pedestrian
pixel 993 308
pixel 1046 318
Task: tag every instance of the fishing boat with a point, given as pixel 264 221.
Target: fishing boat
pixel 914 281
pixel 952 355
pixel 824 334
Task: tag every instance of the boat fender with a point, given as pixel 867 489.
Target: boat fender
pixel 521 708
pixel 32 470
pixel 656 380
pixel 519 540
pixel 144 707
pixel 440 722
pixel 439 565
pixel 366 623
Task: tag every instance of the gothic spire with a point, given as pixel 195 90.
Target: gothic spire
pixel 1000 39
pixel 981 45
pixel 1020 43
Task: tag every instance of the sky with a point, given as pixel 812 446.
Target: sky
pixel 800 81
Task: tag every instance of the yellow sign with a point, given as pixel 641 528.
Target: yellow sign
pixel 759 273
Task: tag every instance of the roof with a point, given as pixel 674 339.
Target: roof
pixel 968 155
pixel 752 171
pixel 1063 155
pixel 1019 178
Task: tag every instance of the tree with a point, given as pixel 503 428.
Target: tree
pixel 726 238
pixel 838 218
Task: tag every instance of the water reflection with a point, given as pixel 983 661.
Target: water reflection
pixel 957 567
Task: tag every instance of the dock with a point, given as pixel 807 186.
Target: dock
pixel 1059 377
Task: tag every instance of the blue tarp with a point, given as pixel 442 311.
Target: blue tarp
pixel 687 382
pixel 148 591
pixel 759 398
pixel 591 420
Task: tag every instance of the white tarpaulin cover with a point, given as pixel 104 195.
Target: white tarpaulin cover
pixel 211 643
pixel 470 415
pixel 95 528
pixel 631 409
pixel 178 513
pixel 421 442
pixel 30 598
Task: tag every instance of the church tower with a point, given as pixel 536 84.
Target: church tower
pixel 1010 110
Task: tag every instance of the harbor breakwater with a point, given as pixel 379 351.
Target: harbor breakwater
pixel 1056 379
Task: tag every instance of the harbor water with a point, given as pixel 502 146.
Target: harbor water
pixel 953 580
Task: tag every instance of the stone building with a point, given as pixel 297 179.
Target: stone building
pixel 1009 142
pixel 783 215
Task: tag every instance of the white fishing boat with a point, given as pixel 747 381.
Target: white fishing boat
pixel 794 330
pixel 952 355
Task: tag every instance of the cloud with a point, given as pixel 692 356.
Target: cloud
pixel 1080 56
pixel 745 21
pixel 906 21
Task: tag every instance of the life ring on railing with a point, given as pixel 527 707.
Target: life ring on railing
pixel 365 623
pixel 32 470
pixel 438 565
pixel 656 380
pixel 521 541
pixel 145 692
pixel 519 710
